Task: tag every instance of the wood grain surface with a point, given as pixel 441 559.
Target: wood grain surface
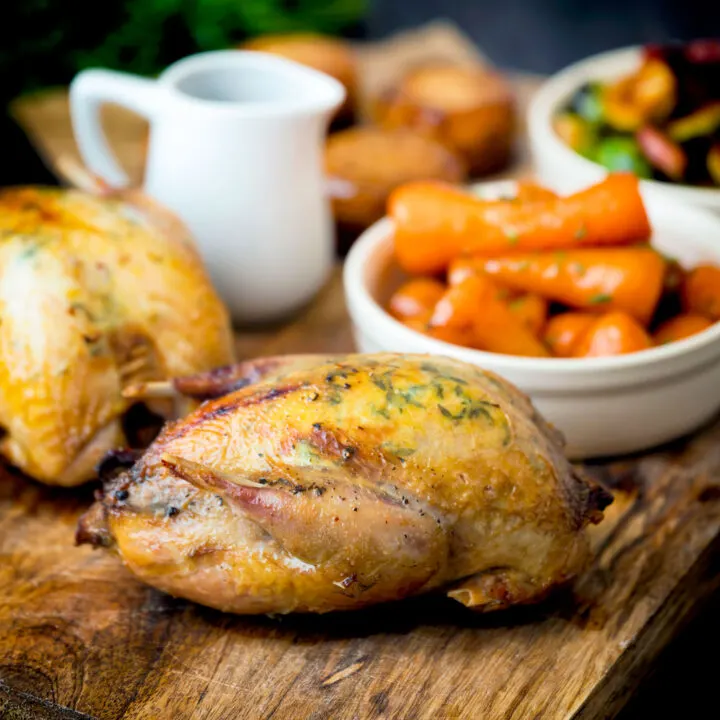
pixel 81 638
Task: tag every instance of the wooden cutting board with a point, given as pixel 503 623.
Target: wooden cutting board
pixel 79 636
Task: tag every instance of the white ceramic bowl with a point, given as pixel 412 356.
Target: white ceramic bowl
pixel 560 167
pixel 604 406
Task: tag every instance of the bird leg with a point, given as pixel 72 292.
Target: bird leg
pixel 222 381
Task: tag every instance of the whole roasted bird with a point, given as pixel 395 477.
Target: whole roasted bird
pixel 95 293
pixel 325 483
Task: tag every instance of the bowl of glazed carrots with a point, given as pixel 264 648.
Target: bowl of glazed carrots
pixel 602 305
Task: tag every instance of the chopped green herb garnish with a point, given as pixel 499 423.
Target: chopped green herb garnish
pixel 380 411
pixel 600 298
pixel 306 453
pixel 512 235
pixel 29 252
pixel 446 412
pixel 581 232
pixel 471 409
pixel 400 452
pixel 478 410
pixel 457 416
pixel 577 268
pixel 408 398
pixel 457 380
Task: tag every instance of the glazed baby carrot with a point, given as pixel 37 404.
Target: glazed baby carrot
pixel 473 305
pixel 701 291
pixel 463 267
pixel 497 329
pixel 563 331
pixel 680 327
pixel 419 322
pixel 629 279
pixel 415 297
pixel 529 191
pixel 455 335
pixel 532 310
pixel 460 303
pixel 435 223
pixel 615 333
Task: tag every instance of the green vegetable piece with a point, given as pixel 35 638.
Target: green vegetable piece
pixel 701 123
pixel 575 132
pixel 620 153
pixel 587 103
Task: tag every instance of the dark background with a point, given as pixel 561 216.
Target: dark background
pixel 545 35
pixel 43 42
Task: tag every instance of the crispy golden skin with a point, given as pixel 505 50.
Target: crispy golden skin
pixel 333 483
pixel 94 293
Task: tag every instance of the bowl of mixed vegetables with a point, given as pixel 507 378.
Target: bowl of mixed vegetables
pixel 603 305
pixel 653 111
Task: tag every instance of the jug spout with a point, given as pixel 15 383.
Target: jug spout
pixel 255 84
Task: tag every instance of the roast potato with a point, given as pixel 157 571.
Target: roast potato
pixel 319 52
pixel 364 165
pixel 470 110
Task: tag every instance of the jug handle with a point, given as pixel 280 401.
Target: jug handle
pixel 89 90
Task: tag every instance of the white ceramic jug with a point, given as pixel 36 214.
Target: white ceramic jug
pixel 236 151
